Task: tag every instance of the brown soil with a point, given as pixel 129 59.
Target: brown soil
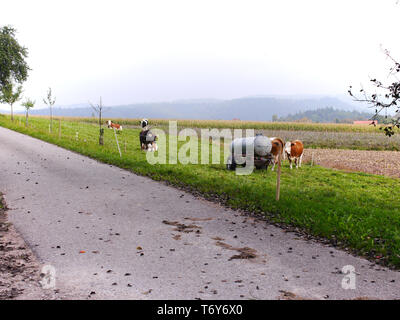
pixel 18 269
pixel 385 163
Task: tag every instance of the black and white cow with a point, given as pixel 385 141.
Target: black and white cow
pixel 147 138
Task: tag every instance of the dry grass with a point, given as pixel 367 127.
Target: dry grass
pixel 236 124
pixel 333 140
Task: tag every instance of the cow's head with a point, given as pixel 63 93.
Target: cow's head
pixel 144 123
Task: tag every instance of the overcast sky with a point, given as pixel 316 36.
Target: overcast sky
pixel 145 51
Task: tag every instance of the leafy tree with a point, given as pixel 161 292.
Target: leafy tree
pixel 28 104
pixel 386 96
pixel 13 67
pixel 9 96
pixel 50 101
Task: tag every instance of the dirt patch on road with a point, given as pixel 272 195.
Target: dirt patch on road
pixel 386 163
pixel 180 227
pixel 199 219
pixel 287 295
pixel 19 269
pixel 243 253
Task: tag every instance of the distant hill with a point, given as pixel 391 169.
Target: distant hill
pixel 249 108
pixel 327 115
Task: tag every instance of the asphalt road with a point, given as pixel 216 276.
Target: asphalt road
pixel 112 234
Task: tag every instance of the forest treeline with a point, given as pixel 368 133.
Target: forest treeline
pixel 329 115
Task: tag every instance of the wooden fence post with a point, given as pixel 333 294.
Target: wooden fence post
pixel 278 177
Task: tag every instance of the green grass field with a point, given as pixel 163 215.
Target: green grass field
pixel 354 210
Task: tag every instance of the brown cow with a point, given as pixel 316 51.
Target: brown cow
pixel 294 151
pixel 112 125
pixel 277 147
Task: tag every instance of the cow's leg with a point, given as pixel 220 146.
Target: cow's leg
pixel 300 160
pixel 296 161
pixel 288 157
pixel 274 161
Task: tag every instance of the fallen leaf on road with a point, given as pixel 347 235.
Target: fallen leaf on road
pixel 287 295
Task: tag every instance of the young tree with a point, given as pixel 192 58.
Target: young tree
pixel 99 110
pixel 50 101
pixel 13 67
pixel 28 104
pixel 9 96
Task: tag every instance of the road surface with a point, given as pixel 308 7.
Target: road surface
pixel 111 234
